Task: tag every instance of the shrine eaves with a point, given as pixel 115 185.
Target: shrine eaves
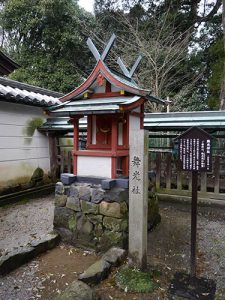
pixel 114 105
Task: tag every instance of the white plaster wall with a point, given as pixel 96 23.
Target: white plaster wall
pixel 94 166
pixel 20 155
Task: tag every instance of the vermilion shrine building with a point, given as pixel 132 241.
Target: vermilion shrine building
pixel 114 106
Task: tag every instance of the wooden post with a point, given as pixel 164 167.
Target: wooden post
pixel 114 141
pixel 53 155
pixel 138 197
pixel 204 182
pixel 168 170
pixel 194 221
pixel 158 170
pixel 217 174
pixel 75 122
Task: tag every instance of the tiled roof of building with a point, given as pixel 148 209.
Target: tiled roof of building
pixel 17 92
pixel 158 122
pixel 92 106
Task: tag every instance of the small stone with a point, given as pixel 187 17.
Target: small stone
pixel 62 216
pixel 84 226
pixel 60 200
pixel 116 195
pixel 98 231
pixel 115 224
pixel 96 272
pixel 95 219
pixel 59 188
pixel 67 190
pixel 77 290
pixel 73 203
pixel 85 193
pixel 114 209
pixel 72 223
pixel 114 256
pixel 97 195
pixel 74 191
pixel 65 234
pixel 111 239
pixel 89 208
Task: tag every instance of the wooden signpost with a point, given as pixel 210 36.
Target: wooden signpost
pixel 195 155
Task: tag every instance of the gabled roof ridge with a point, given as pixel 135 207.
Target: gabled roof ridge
pixel 101 67
pixel 29 87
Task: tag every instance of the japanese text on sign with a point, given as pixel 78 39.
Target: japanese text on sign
pixel 195 154
pixel 135 176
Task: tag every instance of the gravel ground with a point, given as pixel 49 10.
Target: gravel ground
pixel 23 222
pixel 169 243
pixel 168 249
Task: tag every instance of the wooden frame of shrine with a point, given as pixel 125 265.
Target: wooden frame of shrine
pixel 114 105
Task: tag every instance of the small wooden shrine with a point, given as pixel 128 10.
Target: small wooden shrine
pixel 114 105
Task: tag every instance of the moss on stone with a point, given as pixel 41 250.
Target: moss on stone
pixel 37 176
pixel 134 280
pixel 72 223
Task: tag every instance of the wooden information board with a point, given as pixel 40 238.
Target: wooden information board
pixel 195 155
pixel 195 150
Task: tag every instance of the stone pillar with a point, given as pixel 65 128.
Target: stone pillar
pixel 138 197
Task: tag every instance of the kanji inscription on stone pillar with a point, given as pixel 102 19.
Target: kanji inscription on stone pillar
pixel 138 197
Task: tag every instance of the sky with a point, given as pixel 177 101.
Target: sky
pixel 87 4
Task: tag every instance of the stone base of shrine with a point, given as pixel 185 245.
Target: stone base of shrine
pixel 89 216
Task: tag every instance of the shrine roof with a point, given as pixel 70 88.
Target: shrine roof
pixel 94 106
pixel 21 93
pixel 116 79
pixel 158 122
pixel 7 65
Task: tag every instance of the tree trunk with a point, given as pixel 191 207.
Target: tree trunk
pixel 222 92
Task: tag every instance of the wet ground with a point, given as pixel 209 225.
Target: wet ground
pixel 168 252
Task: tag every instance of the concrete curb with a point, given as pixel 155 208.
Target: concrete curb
pixel 24 254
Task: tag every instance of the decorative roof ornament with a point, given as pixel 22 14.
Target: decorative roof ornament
pixel 124 69
pixel 106 51
pixel 105 54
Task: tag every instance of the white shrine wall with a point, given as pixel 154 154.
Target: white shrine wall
pixel 94 166
pixel 20 154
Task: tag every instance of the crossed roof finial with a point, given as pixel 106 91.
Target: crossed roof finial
pixel 105 53
pixel 124 69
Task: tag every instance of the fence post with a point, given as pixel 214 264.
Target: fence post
pixel 53 155
pixel 217 174
pixel 158 170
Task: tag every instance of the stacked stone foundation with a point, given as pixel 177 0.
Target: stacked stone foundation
pixel 88 216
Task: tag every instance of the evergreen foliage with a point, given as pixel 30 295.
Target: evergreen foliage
pixel 45 37
pixel 183 45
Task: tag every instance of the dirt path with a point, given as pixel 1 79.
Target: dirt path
pixel 46 276
pixel 168 252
